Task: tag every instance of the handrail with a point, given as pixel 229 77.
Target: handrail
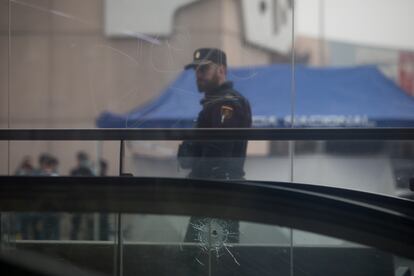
pixel 391 203
pixel 364 222
pixel 207 134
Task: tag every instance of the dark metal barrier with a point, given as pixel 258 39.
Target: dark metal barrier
pixel 319 211
pixel 208 134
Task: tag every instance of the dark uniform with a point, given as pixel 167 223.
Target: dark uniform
pixel 223 108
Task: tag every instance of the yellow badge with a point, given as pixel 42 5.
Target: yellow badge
pixel 226 113
pixel 197 55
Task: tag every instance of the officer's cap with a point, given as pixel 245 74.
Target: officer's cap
pixel 207 55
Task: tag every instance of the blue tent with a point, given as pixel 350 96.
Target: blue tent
pixel 325 97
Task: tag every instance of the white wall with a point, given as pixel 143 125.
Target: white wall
pixel 375 23
pixel 270 28
pixel 150 17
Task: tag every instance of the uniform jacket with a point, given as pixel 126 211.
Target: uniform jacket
pixel 223 108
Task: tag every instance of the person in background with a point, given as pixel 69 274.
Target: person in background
pixel 40 226
pixel 52 220
pixel 84 165
pixel 53 166
pixel 24 221
pixel 83 168
pixel 25 168
pixel 103 218
pixel 103 167
pixel 43 168
pixel 48 165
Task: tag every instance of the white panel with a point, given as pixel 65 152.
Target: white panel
pixel 374 23
pixel 269 28
pixel 150 17
pixel 307 17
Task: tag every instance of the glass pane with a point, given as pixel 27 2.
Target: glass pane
pixel 87 243
pixel 63 226
pixel 4 66
pixel 203 246
pixel 62 158
pixel 107 63
pixel 4 159
pixel 378 166
pixel 359 64
pixel 155 244
pixel 4 81
pixel 315 254
pixel 222 159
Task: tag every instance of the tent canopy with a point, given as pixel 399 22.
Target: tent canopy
pixel 324 97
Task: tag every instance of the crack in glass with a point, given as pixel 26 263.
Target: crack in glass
pixel 213 237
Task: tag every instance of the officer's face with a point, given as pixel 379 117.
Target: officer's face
pixel 208 77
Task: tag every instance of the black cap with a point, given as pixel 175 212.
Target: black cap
pixel 207 55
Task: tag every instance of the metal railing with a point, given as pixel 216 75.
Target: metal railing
pixel 271 134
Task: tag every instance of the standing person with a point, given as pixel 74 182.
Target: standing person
pixel 103 217
pixel 44 162
pixel 222 107
pixel 43 226
pixel 24 221
pixel 48 165
pixel 26 167
pixel 83 168
pixel 51 221
pixel 53 166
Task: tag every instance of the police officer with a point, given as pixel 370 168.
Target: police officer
pixel 222 107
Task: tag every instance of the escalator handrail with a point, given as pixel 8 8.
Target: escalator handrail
pixel 315 211
pixel 397 204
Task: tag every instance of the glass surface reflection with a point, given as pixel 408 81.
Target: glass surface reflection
pixel 155 244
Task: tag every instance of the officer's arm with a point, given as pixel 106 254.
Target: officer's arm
pixel 230 114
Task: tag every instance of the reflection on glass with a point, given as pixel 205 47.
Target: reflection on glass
pixel 378 166
pixel 314 253
pixel 159 159
pixel 93 64
pixel 382 167
pixel 26 226
pixel 87 243
pixel 63 158
pixel 155 244
pixel 204 245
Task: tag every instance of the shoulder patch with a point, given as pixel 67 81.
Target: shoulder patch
pixel 226 112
